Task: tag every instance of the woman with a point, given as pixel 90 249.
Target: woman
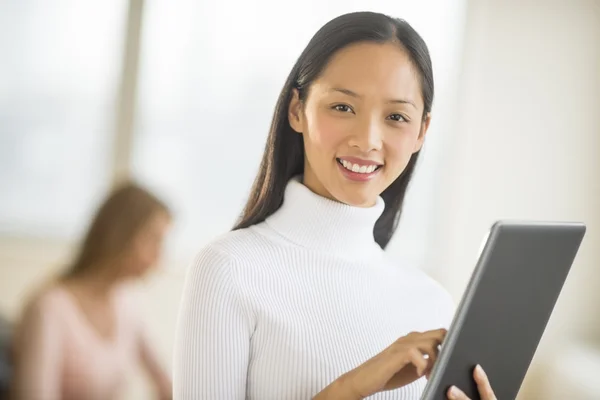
pixel 81 335
pixel 299 301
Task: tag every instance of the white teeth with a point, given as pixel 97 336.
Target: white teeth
pixel 361 169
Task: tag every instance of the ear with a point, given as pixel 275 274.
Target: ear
pixel 295 115
pixel 422 133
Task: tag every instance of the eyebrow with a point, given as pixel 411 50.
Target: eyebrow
pixel 356 95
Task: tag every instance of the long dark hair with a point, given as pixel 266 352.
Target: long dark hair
pixel 283 157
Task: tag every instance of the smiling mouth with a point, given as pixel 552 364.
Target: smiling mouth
pixel 356 168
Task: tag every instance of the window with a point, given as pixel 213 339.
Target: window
pixel 59 73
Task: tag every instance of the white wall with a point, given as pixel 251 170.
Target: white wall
pixel 526 146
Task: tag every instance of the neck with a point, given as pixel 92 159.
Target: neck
pixel 318 223
pixel 97 281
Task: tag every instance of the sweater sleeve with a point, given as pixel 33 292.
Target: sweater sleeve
pixel 213 332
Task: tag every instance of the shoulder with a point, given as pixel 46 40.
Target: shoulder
pixel 222 255
pixel 240 247
pixel 42 320
pixel 231 262
pixel 45 303
pixel 213 282
pixel 49 296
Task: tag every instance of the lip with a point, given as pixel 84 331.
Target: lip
pixel 360 161
pixel 357 176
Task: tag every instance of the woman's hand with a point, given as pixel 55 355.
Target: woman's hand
pixel 483 385
pixel 398 365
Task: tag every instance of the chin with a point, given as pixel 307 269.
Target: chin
pixel 356 198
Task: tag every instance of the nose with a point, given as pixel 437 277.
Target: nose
pixel 368 135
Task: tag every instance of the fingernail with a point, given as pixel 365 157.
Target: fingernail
pixel 453 392
pixel 479 371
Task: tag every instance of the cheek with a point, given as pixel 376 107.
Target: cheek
pixel 145 254
pixel 399 148
pixel 326 133
pixel 151 253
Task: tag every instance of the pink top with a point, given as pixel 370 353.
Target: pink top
pixel 61 356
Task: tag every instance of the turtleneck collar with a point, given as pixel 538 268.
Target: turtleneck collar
pixel 315 222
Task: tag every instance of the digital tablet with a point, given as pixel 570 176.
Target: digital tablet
pixel 506 306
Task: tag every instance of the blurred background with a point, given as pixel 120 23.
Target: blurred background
pixel 178 95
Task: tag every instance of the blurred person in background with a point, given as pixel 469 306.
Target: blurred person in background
pixel 300 301
pixel 80 335
pixel 5 356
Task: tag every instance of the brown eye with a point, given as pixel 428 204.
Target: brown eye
pixel 342 108
pixel 398 118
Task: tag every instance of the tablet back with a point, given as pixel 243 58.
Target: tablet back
pixel 505 309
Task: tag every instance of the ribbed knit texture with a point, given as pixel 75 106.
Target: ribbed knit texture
pixel 280 310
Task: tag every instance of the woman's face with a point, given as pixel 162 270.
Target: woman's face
pixel 147 245
pixel 361 122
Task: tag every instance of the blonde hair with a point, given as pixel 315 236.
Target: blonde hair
pixel 121 216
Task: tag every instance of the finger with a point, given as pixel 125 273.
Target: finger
pixel 455 393
pixel 397 357
pixel 429 346
pixel 430 368
pixel 483 384
pixel 437 334
pixel 417 359
pixel 433 349
pixel 424 343
pixel 431 360
pixel 440 332
pixel 430 352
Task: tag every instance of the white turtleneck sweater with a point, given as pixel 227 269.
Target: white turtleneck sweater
pixel 281 309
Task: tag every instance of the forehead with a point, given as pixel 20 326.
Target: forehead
pixel 373 69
